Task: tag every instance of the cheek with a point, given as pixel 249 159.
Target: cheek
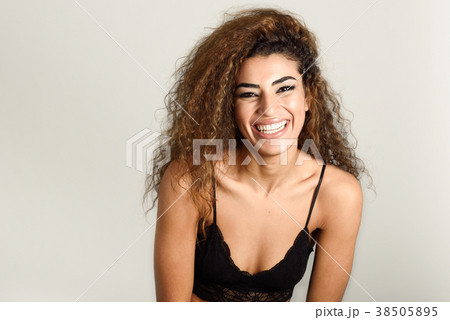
pixel 299 114
pixel 240 115
pixel 295 105
pixel 242 120
pixel 300 123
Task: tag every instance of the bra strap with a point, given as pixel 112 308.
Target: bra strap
pixel 315 194
pixel 214 204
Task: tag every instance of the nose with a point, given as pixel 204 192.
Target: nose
pixel 268 104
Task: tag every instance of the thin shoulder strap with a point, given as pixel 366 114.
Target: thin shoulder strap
pixel 315 195
pixel 214 204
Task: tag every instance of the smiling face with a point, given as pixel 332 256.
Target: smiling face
pixel 268 102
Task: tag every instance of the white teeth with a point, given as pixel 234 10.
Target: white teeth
pixel 272 128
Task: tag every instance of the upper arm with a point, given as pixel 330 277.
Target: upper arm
pixel 175 238
pixel 342 206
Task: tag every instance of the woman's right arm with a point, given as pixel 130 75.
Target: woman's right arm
pixel 175 238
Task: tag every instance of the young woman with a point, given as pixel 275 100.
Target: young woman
pixel 240 225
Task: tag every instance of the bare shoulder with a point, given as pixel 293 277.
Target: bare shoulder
pixel 338 184
pixel 175 172
pixel 173 193
pixel 175 236
pixel 340 207
pixel 341 197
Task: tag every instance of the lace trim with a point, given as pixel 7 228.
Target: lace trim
pixel 248 274
pixel 218 293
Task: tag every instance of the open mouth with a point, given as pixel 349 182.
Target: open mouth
pixel 271 129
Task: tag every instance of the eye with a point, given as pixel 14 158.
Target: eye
pixel 286 88
pixel 247 95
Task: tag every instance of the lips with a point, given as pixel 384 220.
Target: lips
pixel 269 121
pixel 270 135
pixel 272 128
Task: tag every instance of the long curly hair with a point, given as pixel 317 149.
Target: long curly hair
pixel 200 103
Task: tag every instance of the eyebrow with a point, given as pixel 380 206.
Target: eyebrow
pixel 251 85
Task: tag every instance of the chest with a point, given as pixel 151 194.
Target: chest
pixel 259 232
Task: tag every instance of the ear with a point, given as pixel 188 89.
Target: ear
pixel 306 104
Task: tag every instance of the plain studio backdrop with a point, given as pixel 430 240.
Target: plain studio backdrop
pixel 78 79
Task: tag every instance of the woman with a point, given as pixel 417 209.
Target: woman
pixel 240 226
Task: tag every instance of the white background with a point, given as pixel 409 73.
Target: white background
pixel 70 97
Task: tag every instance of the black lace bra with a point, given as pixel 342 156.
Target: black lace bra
pixel 217 278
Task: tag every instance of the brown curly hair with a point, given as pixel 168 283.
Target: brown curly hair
pixel 200 103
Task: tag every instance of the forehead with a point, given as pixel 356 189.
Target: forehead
pixel 266 68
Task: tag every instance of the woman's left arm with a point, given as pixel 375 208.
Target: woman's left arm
pixel 341 205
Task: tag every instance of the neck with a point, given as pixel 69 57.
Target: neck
pixel 278 170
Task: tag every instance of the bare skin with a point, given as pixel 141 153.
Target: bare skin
pixel 261 220
pixel 260 228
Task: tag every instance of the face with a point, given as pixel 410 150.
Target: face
pixel 269 103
